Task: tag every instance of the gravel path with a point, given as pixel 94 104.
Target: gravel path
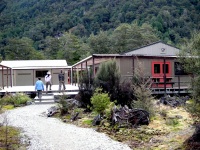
pixel 52 134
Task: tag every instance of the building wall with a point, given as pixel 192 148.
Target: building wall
pixel 126 69
pixel 6 77
pixel 28 77
pixel 23 77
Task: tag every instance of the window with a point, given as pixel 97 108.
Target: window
pixel 156 68
pixel 41 73
pixel 166 66
pixel 178 69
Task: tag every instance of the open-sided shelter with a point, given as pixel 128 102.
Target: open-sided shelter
pixel 26 72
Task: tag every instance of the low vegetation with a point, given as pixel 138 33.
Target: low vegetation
pixel 19 99
pixel 10 136
pixel 169 126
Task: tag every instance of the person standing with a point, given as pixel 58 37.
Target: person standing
pixel 39 87
pixel 61 78
pixel 48 81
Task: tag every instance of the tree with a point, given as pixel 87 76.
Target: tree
pixel 141 88
pixel 127 37
pixel 108 78
pixel 51 47
pixel 190 58
pixel 70 48
pixel 21 49
pixel 100 43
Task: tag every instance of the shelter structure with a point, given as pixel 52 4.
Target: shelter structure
pixel 160 62
pixel 26 72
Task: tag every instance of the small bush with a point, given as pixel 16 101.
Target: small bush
pixel 100 101
pixel 88 122
pixel 63 106
pixel 172 122
pixel 193 107
pixel 16 100
pixel 125 94
pixel 142 90
pixel 108 110
pixel 21 99
pixel 85 90
pixel 108 78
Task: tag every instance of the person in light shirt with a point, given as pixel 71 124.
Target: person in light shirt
pixel 48 81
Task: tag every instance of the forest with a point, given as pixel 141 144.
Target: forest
pixel 75 29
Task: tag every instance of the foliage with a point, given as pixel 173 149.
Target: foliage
pixel 108 78
pixel 88 122
pixel 127 37
pixel 172 19
pixel 70 48
pixel 85 89
pixel 190 58
pixel 21 49
pixel 108 111
pixel 9 137
pixel 100 101
pixel 125 94
pixel 141 90
pixel 77 29
pixel 17 100
pixel 172 122
pixel 63 106
pixel 193 107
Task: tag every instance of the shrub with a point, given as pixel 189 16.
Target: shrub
pixel 108 78
pixel 85 90
pixel 21 99
pixel 108 110
pixel 125 94
pixel 193 107
pixel 142 92
pixel 100 101
pixel 63 106
pixel 17 100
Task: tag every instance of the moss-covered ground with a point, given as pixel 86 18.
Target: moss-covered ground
pixel 168 129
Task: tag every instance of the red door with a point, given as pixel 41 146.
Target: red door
pixel 158 73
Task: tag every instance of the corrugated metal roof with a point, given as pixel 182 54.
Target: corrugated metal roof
pixel 34 64
pixel 155 49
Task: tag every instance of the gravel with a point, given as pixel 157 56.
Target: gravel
pixel 45 133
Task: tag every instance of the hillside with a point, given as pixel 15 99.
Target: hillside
pixel 36 19
pixel 37 22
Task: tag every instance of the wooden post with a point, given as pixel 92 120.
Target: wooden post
pixel 81 71
pixel 10 77
pixel 179 85
pixel 72 76
pixel 2 78
pixel 33 77
pixel 93 66
pixel 164 75
pixel 86 68
pixel 7 76
pixel 133 65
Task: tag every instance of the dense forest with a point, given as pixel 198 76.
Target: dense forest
pixel 74 29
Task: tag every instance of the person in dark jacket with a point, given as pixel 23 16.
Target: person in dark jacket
pixel 61 78
pixel 39 87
